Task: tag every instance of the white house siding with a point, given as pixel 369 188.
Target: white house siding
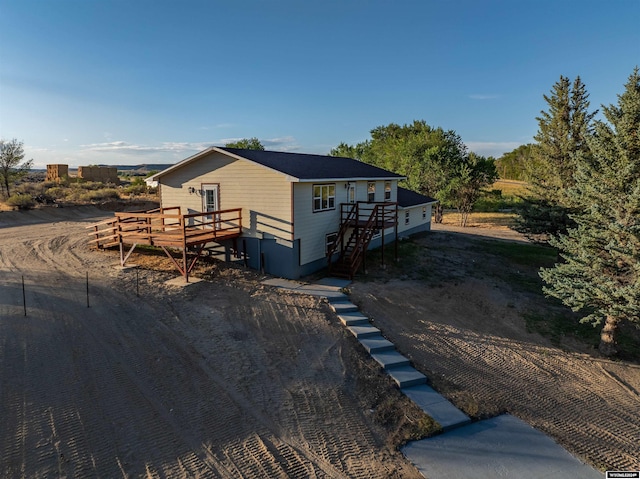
pixel 415 218
pixel 264 195
pixel 312 228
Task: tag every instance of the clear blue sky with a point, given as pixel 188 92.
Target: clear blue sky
pixel 154 81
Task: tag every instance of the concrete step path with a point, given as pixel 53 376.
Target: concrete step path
pixel 438 407
pixel 503 446
pixel 376 344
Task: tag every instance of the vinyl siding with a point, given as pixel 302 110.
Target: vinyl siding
pixel 311 228
pixel 415 218
pixel 264 195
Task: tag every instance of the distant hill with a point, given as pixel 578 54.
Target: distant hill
pixel 142 169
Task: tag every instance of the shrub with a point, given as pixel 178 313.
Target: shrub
pixel 22 201
pixel 99 195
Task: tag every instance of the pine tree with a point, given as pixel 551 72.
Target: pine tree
pixel 600 274
pixel 561 139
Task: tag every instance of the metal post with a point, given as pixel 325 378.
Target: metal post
pixel 24 298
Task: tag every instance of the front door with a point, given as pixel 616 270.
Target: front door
pixel 210 202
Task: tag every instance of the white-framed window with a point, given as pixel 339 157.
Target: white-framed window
pixel 324 197
pixel 329 240
pixel 407 217
pixel 424 212
pixel 371 191
pixel 387 191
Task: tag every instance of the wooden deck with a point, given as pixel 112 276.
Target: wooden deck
pixel 168 229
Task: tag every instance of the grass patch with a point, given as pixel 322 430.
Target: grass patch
pixel 556 326
pixel 521 253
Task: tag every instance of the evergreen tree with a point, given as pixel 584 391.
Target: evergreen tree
pixel 561 140
pixel 600 274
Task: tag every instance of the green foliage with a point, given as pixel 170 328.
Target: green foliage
pixel 246 143
pixel 22 201
pixel 472 173
pixel 101 194
pixel 517 164
pixel 495 200
pixel 11 169
pixel 561 139
pixel 435 162
pixel 600 275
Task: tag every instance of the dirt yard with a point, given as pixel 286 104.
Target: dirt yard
pixel 225 378
pixel 229 378
pixel 456 310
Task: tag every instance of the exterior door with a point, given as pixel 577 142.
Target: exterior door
pixel 351 193
pixel 210 202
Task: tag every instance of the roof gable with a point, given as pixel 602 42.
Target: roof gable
pixel 298 166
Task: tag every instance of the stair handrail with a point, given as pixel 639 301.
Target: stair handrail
pixel 344 224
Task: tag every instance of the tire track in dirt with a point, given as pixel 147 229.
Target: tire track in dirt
pixel 560 393
pixel 177 383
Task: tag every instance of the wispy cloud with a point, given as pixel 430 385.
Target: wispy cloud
pixel 483 97
pixel 126 148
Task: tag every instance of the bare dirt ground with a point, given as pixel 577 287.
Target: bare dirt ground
pixel 457 313
pixel 225 378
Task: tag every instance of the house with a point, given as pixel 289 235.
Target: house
pixel 296 208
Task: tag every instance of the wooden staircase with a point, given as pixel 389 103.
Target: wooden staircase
pixel 359 222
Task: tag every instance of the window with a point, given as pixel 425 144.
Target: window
pixel 424 212
pixel 324 197
pixel 387 191
pixel 371 191
pixel 330 239
pixel 406 217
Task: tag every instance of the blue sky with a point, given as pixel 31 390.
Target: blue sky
pixel 154 81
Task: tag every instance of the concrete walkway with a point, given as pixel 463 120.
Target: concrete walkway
pixel 503 446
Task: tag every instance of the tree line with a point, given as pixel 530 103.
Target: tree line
pixel 434 161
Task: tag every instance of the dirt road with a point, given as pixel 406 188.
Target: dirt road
pixel 225 378
pixel 463 327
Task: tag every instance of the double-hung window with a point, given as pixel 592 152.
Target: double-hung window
pixel 324 197
pixel 387 191
pixel 371 191
pixel 407 217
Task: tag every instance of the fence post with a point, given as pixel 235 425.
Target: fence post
pixel 24 298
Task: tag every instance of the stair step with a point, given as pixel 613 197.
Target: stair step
pixel 343 307
pixel 353 318
pixel 390 359
pixel 376 344
pixel 406 376
pixel 436 406
pixel 364 331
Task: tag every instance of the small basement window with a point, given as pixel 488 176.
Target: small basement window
pixel 329 240
pixel 324 197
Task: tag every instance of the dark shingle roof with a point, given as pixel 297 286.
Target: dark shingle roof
pixel 407 198
pixel 313 167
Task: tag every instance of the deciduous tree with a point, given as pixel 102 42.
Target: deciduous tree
pixel 11 154
pixel 600 274
pixel 429 157
pixel 246 144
